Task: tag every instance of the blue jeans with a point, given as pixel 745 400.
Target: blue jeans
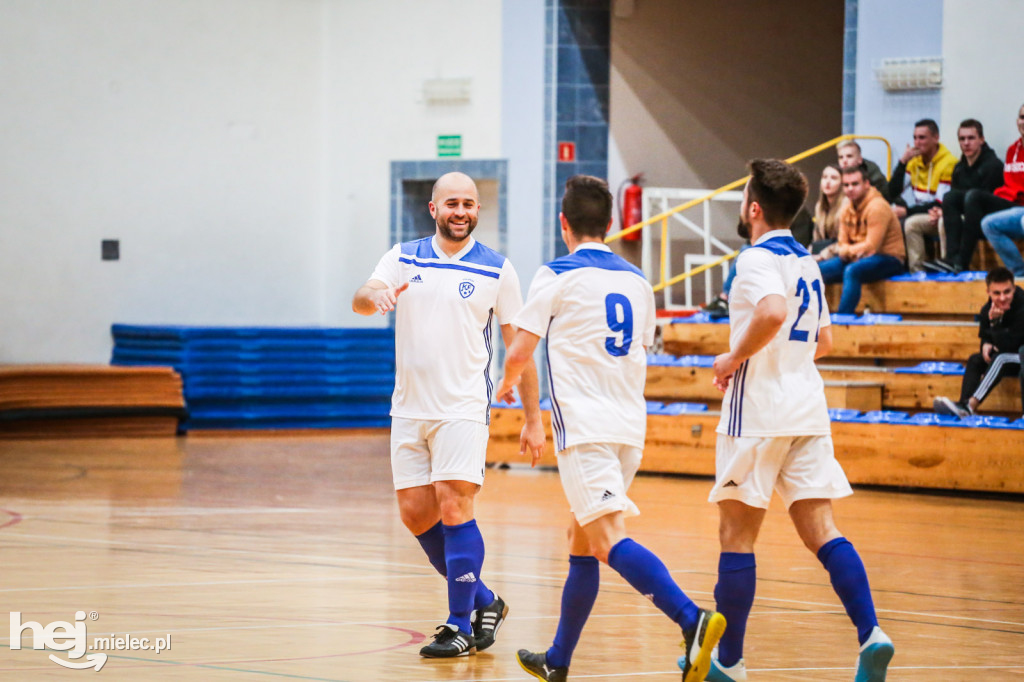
pixel 855 273
pixel 1001 229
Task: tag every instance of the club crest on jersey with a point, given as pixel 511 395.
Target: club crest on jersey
pixel 466 289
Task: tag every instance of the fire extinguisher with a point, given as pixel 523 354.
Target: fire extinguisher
pixel 631 205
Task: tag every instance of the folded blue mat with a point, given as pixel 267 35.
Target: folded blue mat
pixel 180 332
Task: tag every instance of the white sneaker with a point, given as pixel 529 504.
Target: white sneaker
pixel 874 657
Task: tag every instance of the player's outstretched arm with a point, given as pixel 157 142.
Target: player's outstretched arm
pixel 376 297
pixel 519 369
pixel 769 316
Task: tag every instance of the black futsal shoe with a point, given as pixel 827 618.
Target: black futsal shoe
pixel 537 665
pixel 486 622
pixel 449 642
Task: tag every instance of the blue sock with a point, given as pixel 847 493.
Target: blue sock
pixel 734 596
pixel 850 581
pixel 432 543
pixel 464 556
pixel 648 576
pixel 578 597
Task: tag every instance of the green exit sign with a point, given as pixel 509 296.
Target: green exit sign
pixel 449 145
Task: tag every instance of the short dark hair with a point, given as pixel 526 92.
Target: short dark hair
pixel 973 123
pixel 861 168
pixel 928 123
pixel 998 274
pixel 779 188
pixel 587 205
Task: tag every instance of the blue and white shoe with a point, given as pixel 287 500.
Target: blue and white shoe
pixel 718 673
pixel 874 657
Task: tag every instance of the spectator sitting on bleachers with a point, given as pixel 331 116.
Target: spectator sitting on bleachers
pixel 1001 329
pixel 1002 227
pixel 978 168
pixel 980 203
pixel 923 174
pixel 826 213
pixel 870 244
pixel 849 156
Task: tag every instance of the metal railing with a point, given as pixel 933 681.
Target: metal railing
pixel 665 215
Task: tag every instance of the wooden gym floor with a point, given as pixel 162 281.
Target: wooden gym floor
pixel 282 557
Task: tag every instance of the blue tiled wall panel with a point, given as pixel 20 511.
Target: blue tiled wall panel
pixel 578 71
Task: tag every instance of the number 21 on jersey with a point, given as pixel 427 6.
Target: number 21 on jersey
pixel 804 294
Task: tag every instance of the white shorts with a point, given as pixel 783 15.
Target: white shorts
pixel 798 467
pixel 595 477
pixel 424 451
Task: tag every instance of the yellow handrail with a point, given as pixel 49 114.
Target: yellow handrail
pixel 664 216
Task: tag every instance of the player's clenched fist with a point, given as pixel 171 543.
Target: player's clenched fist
pixel 724 367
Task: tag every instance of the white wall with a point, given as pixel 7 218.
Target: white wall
pixel 186 129
pixel 378 55
pixel 522 137
pixel 983 53
pixel 239 149
pixel 891 29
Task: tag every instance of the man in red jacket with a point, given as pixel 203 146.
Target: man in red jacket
pixel 980 203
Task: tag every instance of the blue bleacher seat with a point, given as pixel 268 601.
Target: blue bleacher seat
pixel 869 319
pixel 881 417
pixel 931 367
pixel 700 318
pixel 683 408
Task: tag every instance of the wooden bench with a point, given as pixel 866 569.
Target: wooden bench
pixel 953 300
pixel 898 391
pixel 900 340
pixel 950 458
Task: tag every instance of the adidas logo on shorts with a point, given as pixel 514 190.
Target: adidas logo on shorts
pixel 416 280
pixel 467 578
pixel 731 484
pixel 608 494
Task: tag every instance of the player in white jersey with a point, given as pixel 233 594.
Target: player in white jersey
pixel 451 288
pixel 597 314
pixel 774 432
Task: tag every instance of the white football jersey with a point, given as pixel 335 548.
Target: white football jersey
pixel 443 343
pixel 778 391
pixel 597 313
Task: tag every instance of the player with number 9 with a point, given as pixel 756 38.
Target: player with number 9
pixel 596 312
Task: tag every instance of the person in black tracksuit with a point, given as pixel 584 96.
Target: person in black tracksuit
pixel 1001 330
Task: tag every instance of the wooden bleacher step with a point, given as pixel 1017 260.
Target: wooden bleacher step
pixel 900 390
pixel 937 457
pixel 903 340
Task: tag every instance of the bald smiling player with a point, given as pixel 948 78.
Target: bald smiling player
pixel 451 287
